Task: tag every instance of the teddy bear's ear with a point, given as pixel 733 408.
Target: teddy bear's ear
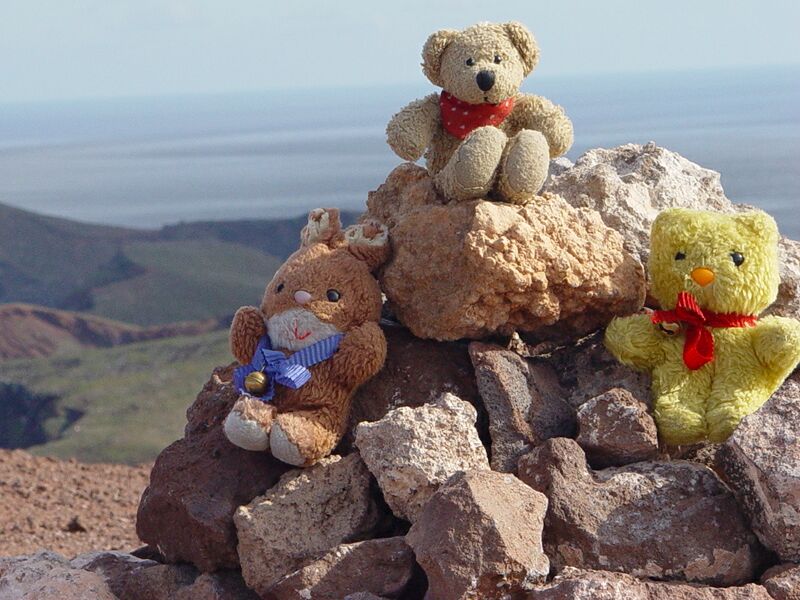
pixel 525 44
pixel 432 54
pixel 368 241
pixel 760 225
pixel 324 227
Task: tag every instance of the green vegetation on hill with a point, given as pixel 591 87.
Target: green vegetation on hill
pixel 129 401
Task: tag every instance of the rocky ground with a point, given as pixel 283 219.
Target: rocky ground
pixel 503 467
pixel 67 506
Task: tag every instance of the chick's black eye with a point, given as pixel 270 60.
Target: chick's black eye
pixel 470 62
pixel 333 295
pixel 279 289
pixel 680 256
pixel 737 258
pixel 497 59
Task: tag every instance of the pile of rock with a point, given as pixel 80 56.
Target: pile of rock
pixel 474 469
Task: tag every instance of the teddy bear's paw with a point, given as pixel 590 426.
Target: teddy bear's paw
pixel 678 425
pixel 470 172
pixel 248 424
pixel 524 167
pixel 283 448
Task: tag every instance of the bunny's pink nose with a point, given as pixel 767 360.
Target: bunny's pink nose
pixel 302 297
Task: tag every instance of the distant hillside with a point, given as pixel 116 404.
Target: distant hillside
pixel 120 404
pixel 30 331
pixel 187 271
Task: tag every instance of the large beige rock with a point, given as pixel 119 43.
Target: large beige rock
pixel 665 520
pixel 576 584
pixel 630 184
pixel 308 512
pixel 472 269
pixel 382 567
pixel 480 536
pixel 761 461
pixel 412 451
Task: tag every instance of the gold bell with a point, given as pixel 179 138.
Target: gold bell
pixel 256 383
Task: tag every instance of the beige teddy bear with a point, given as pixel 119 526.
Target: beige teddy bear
pixel 312 342
pixel 482 136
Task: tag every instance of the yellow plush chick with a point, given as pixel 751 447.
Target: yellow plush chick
pixel 712 359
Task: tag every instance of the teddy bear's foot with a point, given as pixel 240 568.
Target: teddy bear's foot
pixel 249 423
pixel 301 438
pixel 524 167
pixel 470 172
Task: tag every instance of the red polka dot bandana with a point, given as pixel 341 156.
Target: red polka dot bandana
pixel 460 118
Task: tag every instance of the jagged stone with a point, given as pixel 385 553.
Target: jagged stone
pixel 545 269
pixel 666 520
pixel 576 584
pixel 616 429
pixel 782 582
pixel 412 451
pixel 480 536
pixel 308 512
pixel 761 461
pixel 520 417
pixel 382 567
pixel 49 576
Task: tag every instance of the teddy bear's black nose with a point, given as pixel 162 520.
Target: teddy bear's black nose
pixel 485 80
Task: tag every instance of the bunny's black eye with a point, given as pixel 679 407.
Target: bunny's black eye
pixel 279 289
pixel 497 59
pixel 680 256
pixel 470 62
pixel 333 295
pixel 737 258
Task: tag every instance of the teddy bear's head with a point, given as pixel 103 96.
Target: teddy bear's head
pixel 327 286
pixel 729 263
pixel 485 63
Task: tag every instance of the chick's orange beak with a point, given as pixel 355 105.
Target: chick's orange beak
pixel 702 276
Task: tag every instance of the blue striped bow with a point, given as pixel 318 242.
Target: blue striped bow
pixel 290 371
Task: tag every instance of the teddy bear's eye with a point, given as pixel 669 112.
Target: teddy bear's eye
pixel 497 59
pixel 279 289
pixel 333 295
pixel 680 256
pixel 737 258
pixel 470 62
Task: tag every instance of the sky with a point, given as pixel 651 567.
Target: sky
pixel 69 49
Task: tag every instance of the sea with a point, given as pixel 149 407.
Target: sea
pixel 145 162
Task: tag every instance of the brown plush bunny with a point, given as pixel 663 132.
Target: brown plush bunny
pixel 314 340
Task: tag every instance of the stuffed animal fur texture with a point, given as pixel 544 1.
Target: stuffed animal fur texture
pixel 480 66
pixel 729 264
pixel 324 289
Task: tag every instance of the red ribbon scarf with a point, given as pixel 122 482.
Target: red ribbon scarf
pixel 460 118
pixel 698 349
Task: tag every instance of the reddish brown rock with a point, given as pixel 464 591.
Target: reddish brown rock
pixel 616 429
pixel 783 582
pixel 665 520
pixel 761 461
pixel 545 268
pixel 480 536
pixel 306 514
pixel 575 584
pixel 199 481
pixel 520 416
pixel 382 567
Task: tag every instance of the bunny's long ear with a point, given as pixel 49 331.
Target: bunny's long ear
pixel 368 241
pixel 324 227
